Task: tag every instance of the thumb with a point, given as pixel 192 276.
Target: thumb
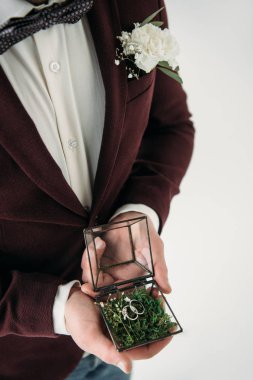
pixel 161 275
pixel 87 289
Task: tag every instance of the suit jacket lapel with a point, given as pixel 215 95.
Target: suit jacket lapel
pixel 105 25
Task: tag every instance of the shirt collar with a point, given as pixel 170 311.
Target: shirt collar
pixel 19 8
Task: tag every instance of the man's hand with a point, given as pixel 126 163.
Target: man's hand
pixel 83 322
pixel 118 239
pixel 83 319
pixel 161 271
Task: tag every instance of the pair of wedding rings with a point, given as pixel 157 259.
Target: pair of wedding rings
pixel 136 308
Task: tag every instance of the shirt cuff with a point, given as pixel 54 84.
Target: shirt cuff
pixel 59 307
pixel 139 207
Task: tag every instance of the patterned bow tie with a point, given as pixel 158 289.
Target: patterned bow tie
pixel 17 29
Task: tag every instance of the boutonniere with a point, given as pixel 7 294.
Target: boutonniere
pixel 148 46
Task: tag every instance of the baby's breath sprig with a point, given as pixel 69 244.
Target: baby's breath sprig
pixel 133 72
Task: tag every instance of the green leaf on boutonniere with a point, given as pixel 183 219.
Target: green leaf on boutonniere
pixel 166 65
pixel 157 23
pixel 150 18
pixel 171 74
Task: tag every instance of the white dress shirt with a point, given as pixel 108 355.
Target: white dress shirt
pixel 57 77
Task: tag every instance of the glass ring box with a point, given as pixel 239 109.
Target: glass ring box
pixel 133 307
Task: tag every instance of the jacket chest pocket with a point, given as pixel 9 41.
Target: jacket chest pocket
pixel 137 87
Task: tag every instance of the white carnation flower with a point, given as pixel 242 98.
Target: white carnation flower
pixel 153 45
pixel 146 62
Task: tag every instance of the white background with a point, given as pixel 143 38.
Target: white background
pixel 208 235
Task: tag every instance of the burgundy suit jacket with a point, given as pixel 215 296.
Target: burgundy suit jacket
pixel 146 149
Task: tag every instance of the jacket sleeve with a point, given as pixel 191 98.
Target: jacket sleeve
pixel 26 303
pixel 166 147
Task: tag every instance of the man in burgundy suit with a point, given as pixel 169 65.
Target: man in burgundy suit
pixel 146 148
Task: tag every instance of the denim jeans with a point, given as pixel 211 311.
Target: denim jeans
pixel 92 368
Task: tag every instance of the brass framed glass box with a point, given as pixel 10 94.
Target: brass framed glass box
pixel 133 307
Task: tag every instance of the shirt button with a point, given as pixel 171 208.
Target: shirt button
pixel 73 144
pixel 54 66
